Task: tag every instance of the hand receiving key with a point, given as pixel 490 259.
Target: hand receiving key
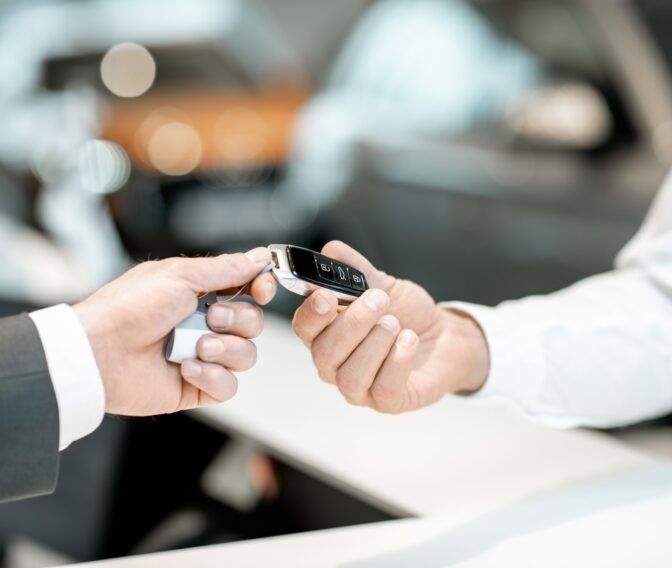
pixel 392 349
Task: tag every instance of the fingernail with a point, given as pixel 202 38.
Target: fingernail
pixel 221 317
pixel 407 338
pixel 259 255
pixel 321 305
pixel 192 369
pixel 389 323
pixel 212 347
pixel 376 300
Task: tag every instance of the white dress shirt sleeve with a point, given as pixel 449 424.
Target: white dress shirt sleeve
pixel 74 373
pixel 598 353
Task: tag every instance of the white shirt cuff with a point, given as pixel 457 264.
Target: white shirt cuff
pixel 516 365
pixel 74 373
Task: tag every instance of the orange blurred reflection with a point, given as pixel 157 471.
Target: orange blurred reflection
pixel 227 130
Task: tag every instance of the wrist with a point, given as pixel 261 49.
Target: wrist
pixel 100 340
pixel 469 355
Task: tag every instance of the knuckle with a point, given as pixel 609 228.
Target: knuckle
pixel 321 355
pixel 255 317
pixel 324 362
pixel 191 302
pixel 354 400
pixel 236 263
pixel 383 393
pixel 300 314
pixel 174 265
pixel 392 325
pixel 300 332
pixel 303 334
pixel 211 373
pixel 222 394
pixel 356 318
pixel 326 376
pixel 300 327
pixel 146 266
pixel 347 383
pixel 387 408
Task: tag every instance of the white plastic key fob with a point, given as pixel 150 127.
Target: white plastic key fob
pixel 183 340
pixel 182 343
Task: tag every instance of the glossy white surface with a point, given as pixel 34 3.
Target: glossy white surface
pixel 455 455
pixel 621 521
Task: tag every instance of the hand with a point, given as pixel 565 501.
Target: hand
pixel 128 321
pixel 393 349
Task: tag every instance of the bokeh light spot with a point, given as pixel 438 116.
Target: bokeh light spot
pixel 104 166
pixel 175 149
pixel 128 70
pixel 241 137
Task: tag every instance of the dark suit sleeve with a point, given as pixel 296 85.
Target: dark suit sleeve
pixel 28 413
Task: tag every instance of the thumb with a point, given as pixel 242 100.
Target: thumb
pixel 225 271
pixel 338 250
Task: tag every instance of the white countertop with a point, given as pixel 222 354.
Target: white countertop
pixel 498 490
pixel 620 522
pixel 455 454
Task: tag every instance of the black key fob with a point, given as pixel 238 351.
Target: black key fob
pixel 303 271
pixel 297 269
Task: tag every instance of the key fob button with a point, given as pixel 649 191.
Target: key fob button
pixel 357 280
pixel 342 275
pixel 325 269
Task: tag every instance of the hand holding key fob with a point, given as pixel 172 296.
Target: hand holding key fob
pixel 303 271
pixel 296 269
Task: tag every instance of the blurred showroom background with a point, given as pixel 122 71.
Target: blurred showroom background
pixel 488 149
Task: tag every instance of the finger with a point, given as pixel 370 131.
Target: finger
pixel 229 351
pixel 390 388
pixel 314 315
pixel 236 318
pixel 220 272
pixel 216 383
pixel 263 289
pixel 338 250
pixel 355 377
pixel 337 342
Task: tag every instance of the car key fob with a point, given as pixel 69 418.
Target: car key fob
pixel 303 271
pixel 297 269
pixel 184 338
